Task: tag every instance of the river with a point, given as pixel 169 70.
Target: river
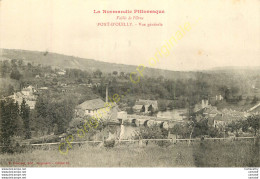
pixel 174 114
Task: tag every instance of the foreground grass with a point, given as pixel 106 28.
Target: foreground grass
pixel 200 154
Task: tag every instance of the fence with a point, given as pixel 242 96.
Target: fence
pixel 143 140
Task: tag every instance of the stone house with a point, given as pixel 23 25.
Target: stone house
pixel 145 106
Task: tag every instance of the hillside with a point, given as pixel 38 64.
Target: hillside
pixel 63 61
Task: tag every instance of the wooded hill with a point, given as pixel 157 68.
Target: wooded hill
pixel 64 61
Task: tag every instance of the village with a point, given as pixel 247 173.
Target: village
pixel 145 113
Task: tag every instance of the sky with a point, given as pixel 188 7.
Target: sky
pixel 223 32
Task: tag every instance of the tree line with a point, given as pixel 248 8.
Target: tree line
pixel 15 122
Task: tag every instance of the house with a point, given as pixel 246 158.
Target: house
pixel 53 75
pixel 28 95
pixel 219 97
pixel 233 115
pixel 219 121
pixel 208 112
pixel 138 108
pixel 92 108
pixel 145 106
pixel 47 75
pixel 225 117
pixel 122 116
pixel 211 111
pixel 28 91
pixel 256 84
pixel 99 109
pixel 61 72
pixel 202 105
pixel 90 85
pixel 43 88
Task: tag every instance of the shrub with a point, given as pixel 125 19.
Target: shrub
pixel 109 143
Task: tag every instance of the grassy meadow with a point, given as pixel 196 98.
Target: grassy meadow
pixel 199 154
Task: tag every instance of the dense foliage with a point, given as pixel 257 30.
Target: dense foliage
pixel 9 113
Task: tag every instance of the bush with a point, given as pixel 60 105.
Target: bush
pixel 109 143
pixel 153 133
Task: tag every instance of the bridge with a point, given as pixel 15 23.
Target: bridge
pixel 148 121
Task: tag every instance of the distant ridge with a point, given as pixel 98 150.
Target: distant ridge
pixel 235 68
pixel 65 61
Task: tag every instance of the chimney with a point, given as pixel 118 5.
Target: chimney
pixel 207 103
pixel 107 93
pixel 203 104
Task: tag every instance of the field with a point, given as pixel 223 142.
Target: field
pixel 199 154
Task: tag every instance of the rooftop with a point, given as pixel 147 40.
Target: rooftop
pixel 92 104
pixel 146 102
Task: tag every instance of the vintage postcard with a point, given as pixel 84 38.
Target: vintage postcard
pixel 129 83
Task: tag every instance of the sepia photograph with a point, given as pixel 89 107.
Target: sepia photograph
pixel 130 84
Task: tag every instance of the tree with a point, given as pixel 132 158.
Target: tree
pixel 61 113
pixel 98 73
pixel 225 91
pixel 89 81
pixel 235 126
pixel 42 121
pixel 13 63
pixel 234 90
pixel 177 129
pixel 115 73
pixel 5 68
pixel 80 80
pixel 213 132
pixel 41 106
pixel 29 65
pixel 143 109
pixel 54 115
pixel 55 80
pixel 162 106
pixel 9 112
pixel 170 105
pixel 153 132
pixel 151 109
pixel 10 89
pixel 122 74
pixel 183 130
pixel 20 63
pixel 130 110
pixel 15 74
pixel 253 122
pixel 25 115
pixel 254 101
pixel 200 127
pixel 245 125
